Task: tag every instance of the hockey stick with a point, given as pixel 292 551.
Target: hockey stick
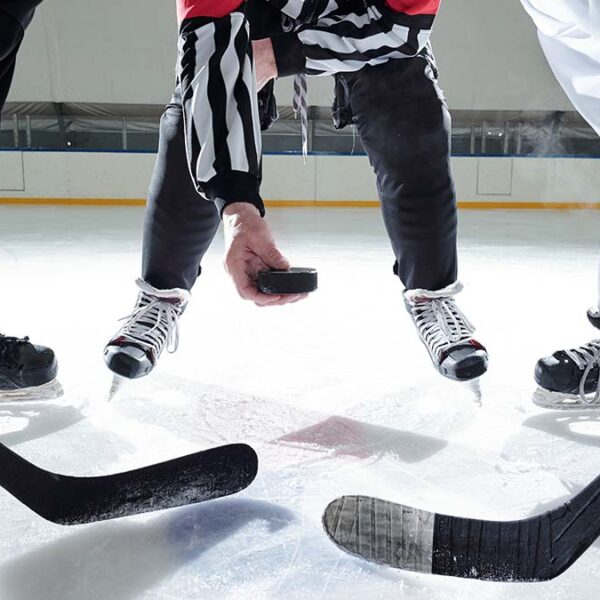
pixel 187 480
pixel 535 549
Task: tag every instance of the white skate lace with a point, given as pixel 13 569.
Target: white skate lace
pixel 587 357
pixel 154 322
pixel 441 324
pixel 300 97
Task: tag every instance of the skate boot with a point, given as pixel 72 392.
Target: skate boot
pixel 447 333
pixel 593 315
pixel 27 371
pixel 571 378
pixel 153 324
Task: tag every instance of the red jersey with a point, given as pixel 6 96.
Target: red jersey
pixel 415 7
pixel 187 9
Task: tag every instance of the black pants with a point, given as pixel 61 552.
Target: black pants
pixel 404 125
pixel 179 224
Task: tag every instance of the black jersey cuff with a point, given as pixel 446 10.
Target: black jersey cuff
pixel 234 186
pixel 289 54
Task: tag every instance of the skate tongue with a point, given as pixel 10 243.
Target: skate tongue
pixel 422 294
pixel 176 295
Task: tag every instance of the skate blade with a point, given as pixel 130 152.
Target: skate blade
pixel 557 401
pixel 49 391
pixel 474 386
pixel 116 386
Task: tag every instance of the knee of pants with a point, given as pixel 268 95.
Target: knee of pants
pixel 11 34
pixel 419 219
pixel 420 169
pixel 432 194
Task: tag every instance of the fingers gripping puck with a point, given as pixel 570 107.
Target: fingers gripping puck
pixel 294 281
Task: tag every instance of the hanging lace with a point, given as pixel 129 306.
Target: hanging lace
pixel 154 321
pixel 587 357
pixel 441 324
pixel 300 97
pixel 300 107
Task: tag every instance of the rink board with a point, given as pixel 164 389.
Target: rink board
pixel 102 178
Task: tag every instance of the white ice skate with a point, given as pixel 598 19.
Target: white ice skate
pixel 153 324
pixel 447 333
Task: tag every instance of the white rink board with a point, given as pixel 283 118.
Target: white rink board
pixel 125 176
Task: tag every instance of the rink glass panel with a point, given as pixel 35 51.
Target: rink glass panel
pixel 94 127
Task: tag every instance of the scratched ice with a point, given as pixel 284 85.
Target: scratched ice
pixel 336 394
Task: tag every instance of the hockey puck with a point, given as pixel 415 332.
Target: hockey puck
pixel 294 281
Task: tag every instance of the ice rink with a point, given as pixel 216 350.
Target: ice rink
pixel 336 394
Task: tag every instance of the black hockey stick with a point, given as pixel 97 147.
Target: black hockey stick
pixel 187 480
pixel 535 549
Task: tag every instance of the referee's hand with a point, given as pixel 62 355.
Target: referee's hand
pixel 264 62
pixel 250 248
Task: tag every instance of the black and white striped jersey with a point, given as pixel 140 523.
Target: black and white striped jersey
pixel 220 108
pixel 317 37
pixel 306 11
pixel 354 33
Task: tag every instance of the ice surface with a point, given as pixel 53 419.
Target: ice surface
pixel 336 394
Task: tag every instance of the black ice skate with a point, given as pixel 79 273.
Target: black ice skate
pixel 571 378
pixel 447 333
pixel 593 315
pixel 153 324
pixel 27 371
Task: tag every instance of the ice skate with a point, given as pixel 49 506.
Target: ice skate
pixel 153 324
pixel 593 315
pixel 27 371
pixel 569 378
pixel 447 333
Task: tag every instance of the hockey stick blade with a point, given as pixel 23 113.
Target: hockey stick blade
pixel 538 548
pixel 68 500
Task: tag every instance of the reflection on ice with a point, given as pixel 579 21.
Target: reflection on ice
pixel 347 437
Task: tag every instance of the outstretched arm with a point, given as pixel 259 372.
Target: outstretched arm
pixel 222 132
pixel 218 90
pixel 346 40
pixel 569 33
